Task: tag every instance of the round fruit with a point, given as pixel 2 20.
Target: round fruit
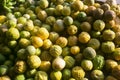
pixel 36 41
pixel 78 72
pixel 108 47
pixel 50 20
pixel 58 25
pixel 61 41
pixel 42 33
pixel 110 64
pixel 55 50
pixel 13 34
pixel 30 50
pixel 89 2
pixel 110 78
pixel 75 50
pixel 98 13
pixel 82 16
pixel 46 44
pixel 108 35
pixel 68 20
pixel 42 15
pixel 66 74
pixel 55 75
pixel 117 38
pixel 58 64
pixel 98 25
pixel 43 4
pixel 45 56
pixel 109 15
pixel 33 61
pixel 65 51
pixel 41 75
pixel 116 54
pixel 116 72
pixel 85 26
pixel 45 65
pixel 94 43
pixel 5 78
pixel 70 61
pixel 77 5
pixel 20 67
pixel 72 40
pixel 84 37
pixel 98 62
pixel 66 11
pixel 3 70
pixel 53 36
pixel 97 75
pixel 72 29
pixel 87 65
pixel 20 77
pixel 89 53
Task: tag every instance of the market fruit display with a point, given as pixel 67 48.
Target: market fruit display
pixel 59 40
